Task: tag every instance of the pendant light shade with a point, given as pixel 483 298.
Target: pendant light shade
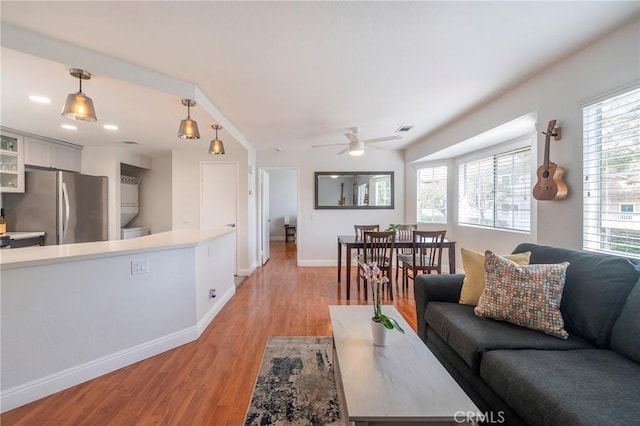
pixel 216 147
pixel 78 105
pixel 188 127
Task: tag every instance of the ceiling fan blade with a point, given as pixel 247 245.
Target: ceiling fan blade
pixel 343 151
pixel 330 144
pixel 386 138
pixel 352 137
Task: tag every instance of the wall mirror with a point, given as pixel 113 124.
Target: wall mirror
pixel 354 190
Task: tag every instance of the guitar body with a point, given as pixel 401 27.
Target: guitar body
pixel 550 185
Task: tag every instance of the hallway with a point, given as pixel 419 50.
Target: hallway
pixel 209 381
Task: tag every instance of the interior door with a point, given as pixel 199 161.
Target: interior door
pixel 219 197
pixel 266 220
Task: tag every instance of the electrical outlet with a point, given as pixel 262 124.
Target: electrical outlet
pixel 139 266
pixel 212 293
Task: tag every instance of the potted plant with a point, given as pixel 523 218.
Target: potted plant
pixel 381 323
pixel 394 226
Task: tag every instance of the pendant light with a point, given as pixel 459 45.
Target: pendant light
pixel 216 147
pixel 188 127
pixel 79 106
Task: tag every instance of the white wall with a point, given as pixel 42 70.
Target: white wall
pixel 185 189
pixel 556 93
pixel 283 200
pixel 317 229
pixel 156 196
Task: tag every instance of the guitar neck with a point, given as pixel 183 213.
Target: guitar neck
pixel 546 152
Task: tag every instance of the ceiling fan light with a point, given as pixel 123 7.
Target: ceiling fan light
pixel 356 148
pixel 78 105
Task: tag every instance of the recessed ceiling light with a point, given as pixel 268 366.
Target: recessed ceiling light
pixel 110 127
pixel 69 127
pixel 40 99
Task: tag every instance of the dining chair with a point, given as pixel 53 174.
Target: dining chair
pixel 378 247
pixel 426 255
pixel 360 230
pixel 404 233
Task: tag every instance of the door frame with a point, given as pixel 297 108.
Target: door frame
pixel 299 230
pixel 201 213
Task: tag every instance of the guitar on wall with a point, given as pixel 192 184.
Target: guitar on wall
pixel 550 185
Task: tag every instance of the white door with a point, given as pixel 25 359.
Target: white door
pixel 265 220
pixel 219 196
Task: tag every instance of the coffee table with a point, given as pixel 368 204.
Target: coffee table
pixel 400 383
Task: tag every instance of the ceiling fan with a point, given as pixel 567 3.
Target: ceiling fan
pixel 355 146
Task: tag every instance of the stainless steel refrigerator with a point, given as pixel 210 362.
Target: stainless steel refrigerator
pixel 69 207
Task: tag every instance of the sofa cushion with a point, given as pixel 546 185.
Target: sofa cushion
pixel 625 337
pixel 596 288
pixel 524 295
pixel 471 336
pixel 473 265
pixel 581 387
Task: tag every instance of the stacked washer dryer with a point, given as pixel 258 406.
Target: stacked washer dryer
pixel 130 207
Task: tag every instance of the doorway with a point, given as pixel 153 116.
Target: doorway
pixel 278 206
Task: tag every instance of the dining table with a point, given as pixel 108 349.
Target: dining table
pixel 352 242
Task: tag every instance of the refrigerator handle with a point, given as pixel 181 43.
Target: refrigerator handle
pixel 66 212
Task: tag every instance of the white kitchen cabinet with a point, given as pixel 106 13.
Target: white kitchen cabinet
pixel 11 162
pixel 51 154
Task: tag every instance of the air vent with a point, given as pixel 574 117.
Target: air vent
pixel 130 142
pixel 403 129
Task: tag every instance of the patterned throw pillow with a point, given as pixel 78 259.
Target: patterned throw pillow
pixel 528 296
pixel 473 265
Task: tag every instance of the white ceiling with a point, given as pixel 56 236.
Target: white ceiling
pixel 284 75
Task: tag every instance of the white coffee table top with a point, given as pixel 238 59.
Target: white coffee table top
pixel 401 382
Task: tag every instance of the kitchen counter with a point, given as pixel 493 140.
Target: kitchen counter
pixel 47 255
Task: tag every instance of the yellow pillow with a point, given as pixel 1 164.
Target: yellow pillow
pixel 473 265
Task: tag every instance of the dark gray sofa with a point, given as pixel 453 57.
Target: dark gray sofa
pixel 528 377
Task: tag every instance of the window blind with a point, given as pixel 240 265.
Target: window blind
pixel 611 159
pixel 432 195
pixel 495 191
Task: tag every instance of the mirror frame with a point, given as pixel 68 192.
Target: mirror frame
pixel 317 175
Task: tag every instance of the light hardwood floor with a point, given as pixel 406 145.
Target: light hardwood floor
pixel 209 381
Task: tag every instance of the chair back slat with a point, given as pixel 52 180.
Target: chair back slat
pixel 360 229
pixel 378 246
pixel 405 233
pixel 430 255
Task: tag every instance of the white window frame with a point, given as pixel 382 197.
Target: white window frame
pixel 491 155
pixel 611 126
pixel 433 167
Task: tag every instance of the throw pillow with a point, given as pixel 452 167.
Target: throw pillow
pixel 473 264
pixel 528 296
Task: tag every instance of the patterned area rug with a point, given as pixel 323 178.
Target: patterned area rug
pixel 295 384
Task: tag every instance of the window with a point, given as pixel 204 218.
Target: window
pixel 495 191
pixel 432 195
pixel 612 174
pixel 383 191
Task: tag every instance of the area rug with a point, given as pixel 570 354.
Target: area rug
pixel 295 384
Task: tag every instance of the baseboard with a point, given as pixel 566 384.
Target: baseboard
pixel 248 271
pixel 276 238
pixel 45 386
pixel 215 309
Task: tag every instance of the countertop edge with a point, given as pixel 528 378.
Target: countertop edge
pixel 49 255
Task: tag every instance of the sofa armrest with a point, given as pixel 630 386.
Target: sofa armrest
pixel 434 288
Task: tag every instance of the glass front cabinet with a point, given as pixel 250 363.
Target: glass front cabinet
pixel 11 162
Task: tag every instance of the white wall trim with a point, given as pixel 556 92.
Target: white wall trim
pixel 276 238
pixel 36 389
pixel 215 309
pixel 249 271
